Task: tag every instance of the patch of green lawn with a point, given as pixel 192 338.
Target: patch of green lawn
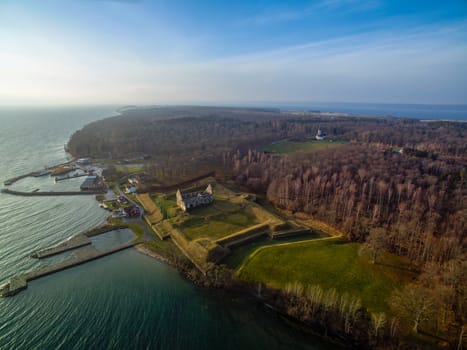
pixel 330 263
pixel 114 205
pixel 138 230
pixel 239 254
pixel 210 229
pixel 165 204
pixel 304 147
pixel 165 247
pixel 217 220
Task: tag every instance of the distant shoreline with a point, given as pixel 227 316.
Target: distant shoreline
pixel 421 112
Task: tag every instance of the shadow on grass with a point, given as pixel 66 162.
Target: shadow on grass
pixel 341 242
pixel 397 267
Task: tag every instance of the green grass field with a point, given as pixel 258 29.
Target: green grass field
pixel 217 220
pixel 165 204
pixel 302 147
pixel 238 255
pixel 330 263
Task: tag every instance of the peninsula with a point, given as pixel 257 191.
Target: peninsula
pixel 352 225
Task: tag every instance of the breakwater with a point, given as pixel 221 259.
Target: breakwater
pixel 103 229
pixel 77 241
pixel 69 177
pixel 17 178
pixel 49 193
pixel 12 180
pixel 81 256
pixel 74 242
pixel 86 253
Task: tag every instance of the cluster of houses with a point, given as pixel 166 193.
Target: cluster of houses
pixel 192 200
pixel 131 211
pixel 126 211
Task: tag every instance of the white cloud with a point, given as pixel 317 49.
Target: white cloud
pixel 423 65
pixel 275 14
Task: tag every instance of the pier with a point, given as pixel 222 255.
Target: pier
pixel 81 256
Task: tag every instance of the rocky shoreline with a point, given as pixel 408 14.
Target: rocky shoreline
pixel 325 322
pixel 220 277
pixel 150 252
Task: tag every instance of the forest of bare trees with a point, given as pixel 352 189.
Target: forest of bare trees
pixel 417 204
pixel 209 132
pixel 412 203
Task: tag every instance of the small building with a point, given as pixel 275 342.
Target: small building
pixel 130 189
pixel 320 135
pixel 133 181
pixel 192 200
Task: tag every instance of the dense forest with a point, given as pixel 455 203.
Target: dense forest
pixel 420 203
pixel 203 131
pixel 180 139
pixel 182 131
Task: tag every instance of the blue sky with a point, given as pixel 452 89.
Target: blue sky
pixel 172 51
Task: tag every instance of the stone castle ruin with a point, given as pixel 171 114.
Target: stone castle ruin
pixel 192 200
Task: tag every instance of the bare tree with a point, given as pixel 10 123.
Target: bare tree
pixel 414 302
pixel 378 320
pixel 376 242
